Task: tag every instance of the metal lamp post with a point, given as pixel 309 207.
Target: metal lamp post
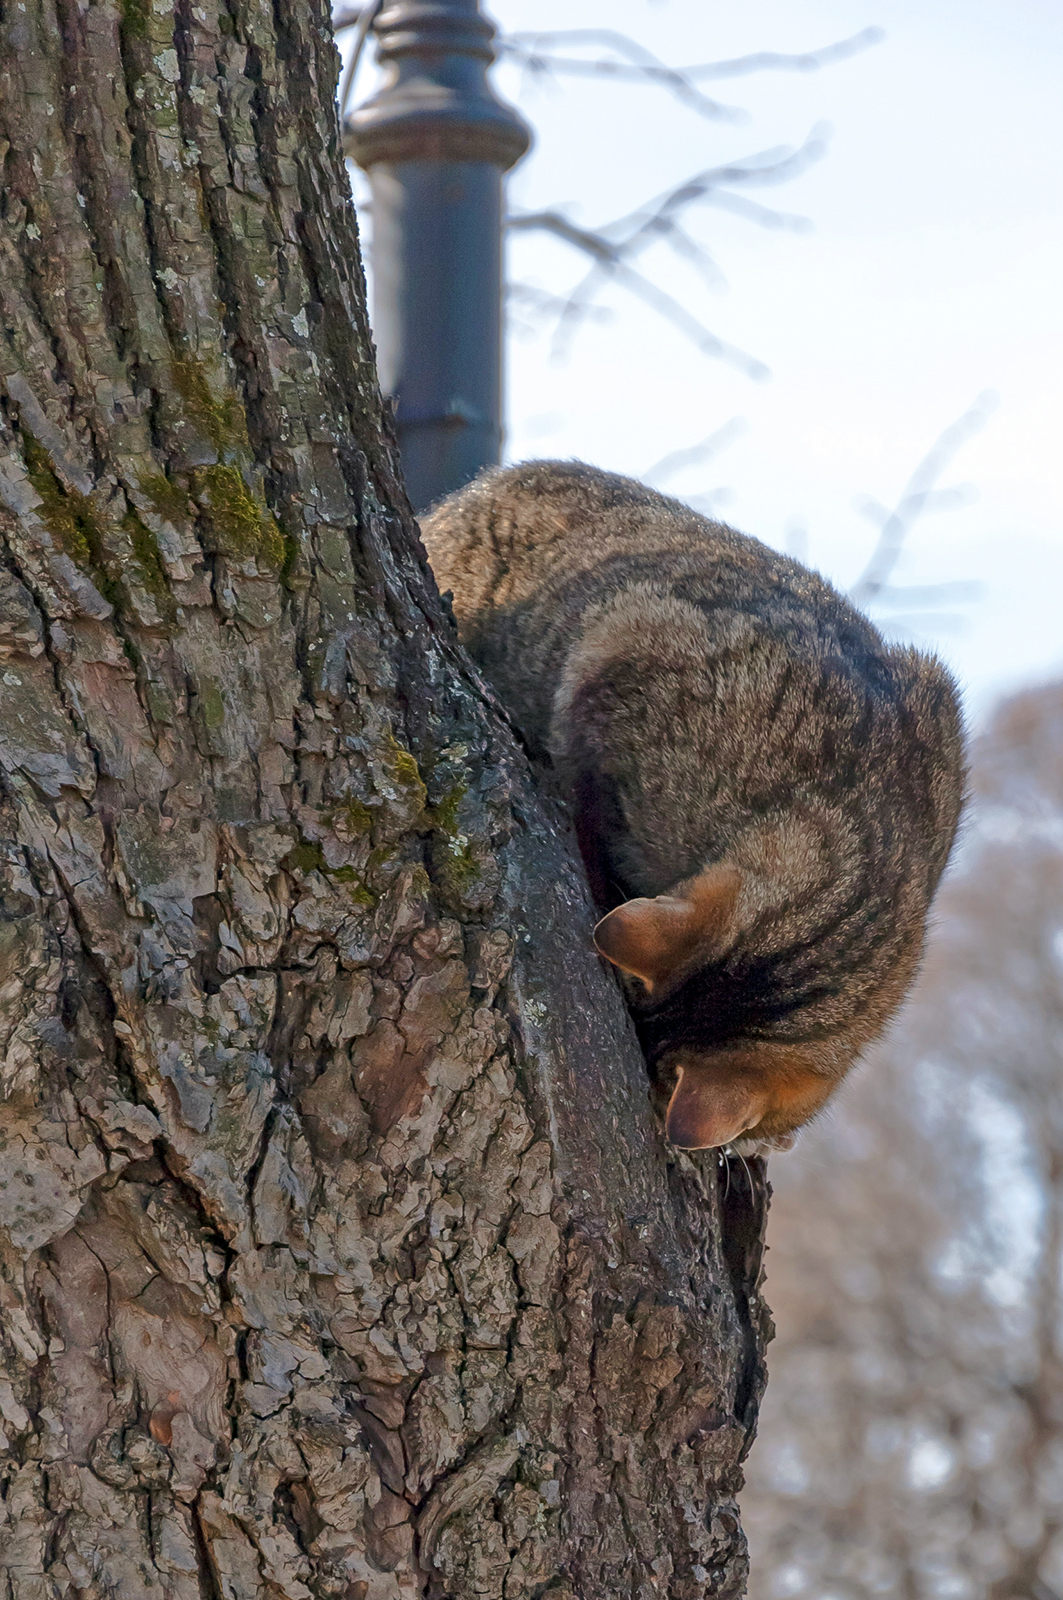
pixel 435 142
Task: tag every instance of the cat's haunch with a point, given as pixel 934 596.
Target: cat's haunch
pixel 765 792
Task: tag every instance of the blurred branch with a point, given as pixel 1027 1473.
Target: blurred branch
pixel 537 52
pixel 964 494
pixel 640 65
pixel 362 21
pixel 918 498
pixel 929 594
pixel 709 502
pixel 612 247
pixel 529 299
pixel 609 263
pixel 697 454
pixel 935 621
pixel 776 61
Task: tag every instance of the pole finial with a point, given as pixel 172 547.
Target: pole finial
pixel 436 102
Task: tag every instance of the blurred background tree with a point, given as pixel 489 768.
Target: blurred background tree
pixel 911 1443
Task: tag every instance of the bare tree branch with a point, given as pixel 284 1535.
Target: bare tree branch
pixel 612 246
pixel 656 218
pixel 763 216
pixel 697 454
pixel 964 494
pixel 538 54
pixel 609 263
pixel 917 499
pixel 929 594
pixel 528 302
pixel 775 61
pixel 640 64
pixel 362 21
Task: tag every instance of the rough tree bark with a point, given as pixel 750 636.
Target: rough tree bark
pixel 340 1254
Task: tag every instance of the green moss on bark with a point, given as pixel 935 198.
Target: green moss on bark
pixel 169 499
pixel 356 816
pixel 242 526
pixel 444 815
pixel 304 857
pixel 136 15
pixel 221 419
pixel 71 519
pixel 66 514
pixel 307 856
pixel 406 773
pixel 211 705
pixel 149 562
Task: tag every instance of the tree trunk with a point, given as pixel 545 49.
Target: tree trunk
pixel 340 1253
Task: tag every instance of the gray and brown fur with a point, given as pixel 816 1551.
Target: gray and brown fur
pixel 764 791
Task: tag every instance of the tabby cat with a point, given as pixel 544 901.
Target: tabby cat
pixel 765 792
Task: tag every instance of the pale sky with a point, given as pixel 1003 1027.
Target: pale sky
pixel 933 272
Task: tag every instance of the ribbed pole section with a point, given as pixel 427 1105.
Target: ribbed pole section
pixel 435 142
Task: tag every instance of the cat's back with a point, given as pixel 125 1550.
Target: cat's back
pixel 496 541
pixel 516 531
pixel 529 552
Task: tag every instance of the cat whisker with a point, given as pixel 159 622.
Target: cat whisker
pixel 730 1153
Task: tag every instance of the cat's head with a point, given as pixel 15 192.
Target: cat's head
pixel 747 1022
pixel 757 982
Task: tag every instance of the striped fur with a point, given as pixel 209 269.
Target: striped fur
pixel 709 705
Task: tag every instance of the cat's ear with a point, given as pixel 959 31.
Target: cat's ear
pixel 776 1087
pixel 659 939
pixel 705 1112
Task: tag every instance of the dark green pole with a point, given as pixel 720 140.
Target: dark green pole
pixel 435 142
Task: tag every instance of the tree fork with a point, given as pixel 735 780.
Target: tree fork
pixel 340 1253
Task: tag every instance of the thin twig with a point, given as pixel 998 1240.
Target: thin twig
pixel 362 21
pixel 347 17
pixel 917 498
pixel 537 53
pixel 543 300
pixel 641 64
pixel 657 218
pixel 780 61
pixel 534 302
pixel 609 262
pixel 612 246
pixel 697 454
